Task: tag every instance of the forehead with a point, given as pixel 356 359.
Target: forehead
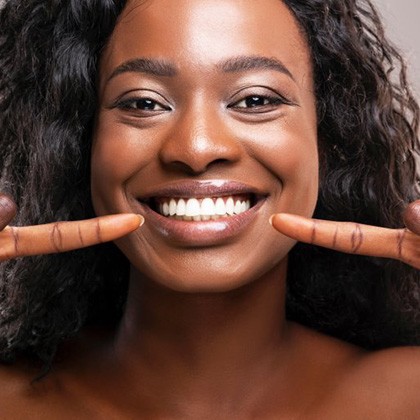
pixel 200 33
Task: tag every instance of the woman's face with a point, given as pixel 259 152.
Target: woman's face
pixel 208 104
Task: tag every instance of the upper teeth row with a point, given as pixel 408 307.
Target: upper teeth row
pixel 204 207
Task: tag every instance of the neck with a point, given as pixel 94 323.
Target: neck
pixel 203 343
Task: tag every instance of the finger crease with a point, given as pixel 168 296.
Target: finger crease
pixel 98 231
pixel 15 234
pixel 400 242
pixel 356 238
pixel 313 236
pixel 80 235
pixel 56 237
pixel 335 237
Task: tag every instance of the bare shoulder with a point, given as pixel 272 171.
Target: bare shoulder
pixel 26 394
pixel 16 390
pixel 386 382
pixel 364 384
pixel 397 367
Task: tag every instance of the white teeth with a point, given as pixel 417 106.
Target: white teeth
pixel 165 209
pixel 180 208
pixel 172 207
pixel 207 208
pixel 193 207
pixel 230 206
pixel 220 207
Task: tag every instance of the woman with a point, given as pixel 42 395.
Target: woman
pixel 206 118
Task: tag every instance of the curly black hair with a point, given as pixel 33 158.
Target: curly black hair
pixel 368 125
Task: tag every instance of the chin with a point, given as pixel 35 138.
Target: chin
pixel 199 275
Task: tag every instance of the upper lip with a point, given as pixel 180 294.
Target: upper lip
pixel 199 189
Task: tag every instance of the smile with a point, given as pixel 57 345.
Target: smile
pixel 203 209
pixel 201 213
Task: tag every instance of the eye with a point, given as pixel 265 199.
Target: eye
pixel 258 103
pixel 141 104
pixel 255 101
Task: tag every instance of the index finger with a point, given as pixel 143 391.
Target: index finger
pixel 352 238
pixel 65 236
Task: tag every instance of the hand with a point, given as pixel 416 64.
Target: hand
pixel 59 236
pixel 355 238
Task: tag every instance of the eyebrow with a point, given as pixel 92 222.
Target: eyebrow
pixel 253 62
pixel 162 68
pixel 156 67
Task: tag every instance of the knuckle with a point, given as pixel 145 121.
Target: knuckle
pixel 16 239
pixel 56 237
pixel 357 238
pixel 335 238
pixel 98 230
pixel 314 232
pixel 79 232
pixel 9 244
pixel 400 239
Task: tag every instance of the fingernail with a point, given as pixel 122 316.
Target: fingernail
pixel 271 219
pixel 141 220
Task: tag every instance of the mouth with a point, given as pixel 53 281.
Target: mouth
pixel 201 213
pixel 202 201
pixel 199 209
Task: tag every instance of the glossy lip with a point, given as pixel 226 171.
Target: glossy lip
pixel 200 233
pixel 199 189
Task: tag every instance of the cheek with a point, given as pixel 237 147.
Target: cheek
pixel 289 151
pixel 297 170
pixel 117 155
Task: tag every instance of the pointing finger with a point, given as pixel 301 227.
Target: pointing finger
pixel 65 236
pixel 352 238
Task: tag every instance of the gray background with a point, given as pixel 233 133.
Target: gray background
pixel 401 18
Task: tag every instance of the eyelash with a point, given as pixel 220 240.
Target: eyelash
pixel 269 102
pixel 128 104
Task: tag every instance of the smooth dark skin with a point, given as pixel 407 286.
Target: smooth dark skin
pixel 204 334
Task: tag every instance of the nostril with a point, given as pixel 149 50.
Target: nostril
pixel 218 161
pixel 193 150
pixel 184 168
pixel 196 167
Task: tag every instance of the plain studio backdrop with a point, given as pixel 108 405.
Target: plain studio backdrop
pixel 401 21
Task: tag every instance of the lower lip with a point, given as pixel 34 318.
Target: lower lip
pixel 201 233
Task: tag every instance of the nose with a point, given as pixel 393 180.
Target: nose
pixel 198 140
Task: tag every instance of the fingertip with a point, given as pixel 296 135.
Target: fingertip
pixel 276 219
pixel 128 222
pixel 134 220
